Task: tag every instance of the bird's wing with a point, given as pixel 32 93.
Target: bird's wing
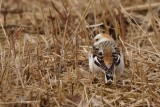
pixel 103 56
pixel 116 56
pixel 106 60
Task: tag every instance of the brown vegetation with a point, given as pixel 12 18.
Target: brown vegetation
pixel 44 47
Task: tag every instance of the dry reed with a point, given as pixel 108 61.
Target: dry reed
pixel 44 49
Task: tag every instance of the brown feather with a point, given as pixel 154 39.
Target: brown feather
pixel 108 37
pixel 108 59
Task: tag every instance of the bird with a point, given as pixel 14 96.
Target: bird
pixel 106 57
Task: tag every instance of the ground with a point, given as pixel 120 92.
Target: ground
pixel 44 46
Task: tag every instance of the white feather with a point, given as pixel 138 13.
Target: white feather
pixel 93 67
pixel 120 68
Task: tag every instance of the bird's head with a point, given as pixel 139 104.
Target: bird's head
pixel 102 38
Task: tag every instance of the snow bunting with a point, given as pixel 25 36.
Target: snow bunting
pixel 106 57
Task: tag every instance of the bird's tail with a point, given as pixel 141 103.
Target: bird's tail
pixel 108 78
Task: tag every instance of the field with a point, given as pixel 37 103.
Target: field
pixel 44 47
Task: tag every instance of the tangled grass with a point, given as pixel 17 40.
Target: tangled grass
pixel 44 49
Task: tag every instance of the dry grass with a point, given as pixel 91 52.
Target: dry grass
pixel 44 48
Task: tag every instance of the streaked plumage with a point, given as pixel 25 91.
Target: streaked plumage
pixel 106 57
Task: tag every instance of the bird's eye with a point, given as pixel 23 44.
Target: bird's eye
pixel 97 39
